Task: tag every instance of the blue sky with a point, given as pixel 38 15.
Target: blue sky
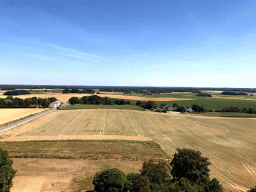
pixel 187 43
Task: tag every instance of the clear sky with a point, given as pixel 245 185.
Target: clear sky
pixel 187 43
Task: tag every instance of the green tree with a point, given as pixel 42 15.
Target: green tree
pixel 138 103
pixel 7 173
pixel 175 105
pixel 142 184
pixel 46 102
pixel 190 164
pixel 131 178
pixel 156 172
pixel 215 186
pixel 110 180
pixel 74 100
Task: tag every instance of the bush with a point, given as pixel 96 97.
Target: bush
pixel 110 180
pixel 7 173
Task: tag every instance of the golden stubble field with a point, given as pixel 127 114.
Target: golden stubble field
pixel 8 115
pixel 229 143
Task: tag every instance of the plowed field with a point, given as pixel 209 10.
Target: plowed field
pixel 228 143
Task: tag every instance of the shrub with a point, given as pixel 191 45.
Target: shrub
pixel 110 180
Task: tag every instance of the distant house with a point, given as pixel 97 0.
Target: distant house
pixel 189 110
pixel 165 106
pixel 55 104
pixel 172 108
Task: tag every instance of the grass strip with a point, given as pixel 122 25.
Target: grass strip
pixel 90 149
pixel 241 115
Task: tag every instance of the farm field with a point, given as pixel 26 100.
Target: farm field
pixel 46 175
pixel 87 106
pixel 217 102
pixel 9 115
pixel 229 143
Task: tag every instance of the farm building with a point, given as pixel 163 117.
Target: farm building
pixel 189 110
pixel 55 104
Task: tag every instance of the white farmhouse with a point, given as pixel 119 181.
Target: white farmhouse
pixel 55 104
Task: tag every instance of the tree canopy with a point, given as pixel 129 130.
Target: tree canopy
pixel 190 164
pixel 7 173
pixel 110 180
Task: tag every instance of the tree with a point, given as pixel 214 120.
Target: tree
pixel 190 164
pixel 138 103
pixel 74 100
pixel 156 172
pixel 7 173
pixel 110 180
pixel 132 181
pixel 142 184
pixel 175 105
pixel 181 109
pixel 215 186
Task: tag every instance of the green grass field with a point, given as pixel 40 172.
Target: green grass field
pixel 214 103
pixel 243 115
pixel 209 103
pixel 129 107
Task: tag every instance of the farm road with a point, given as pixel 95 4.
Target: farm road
pixel 5 128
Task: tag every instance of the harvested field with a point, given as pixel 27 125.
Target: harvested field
pixel 229 143
pixel 9 115
pixel 46 175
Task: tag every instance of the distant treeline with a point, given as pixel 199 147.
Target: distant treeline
pixel 66 90
pixel 237 110
pixel 96 100
pixel 233 93
pixel 17 92
pixel 203 94
pixel 147 105
pixel 10 102
pixel 128 88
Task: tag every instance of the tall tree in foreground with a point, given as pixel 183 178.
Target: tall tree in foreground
pixel 190 167
pixel 7 173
